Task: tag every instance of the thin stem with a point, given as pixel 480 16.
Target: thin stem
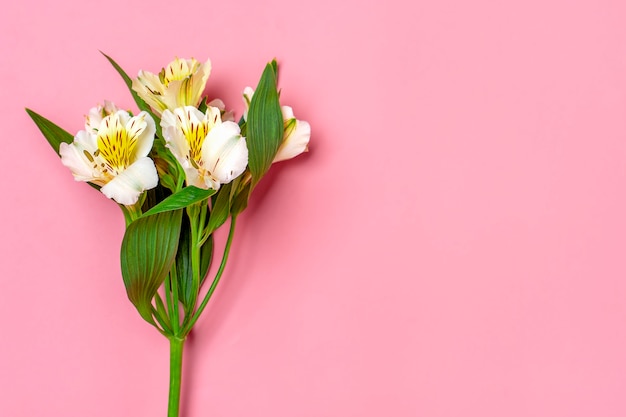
pixel 168 295
pixel 160 314
pixel 171 292
pixel 194 213
pixel 176 370
pixel 187 328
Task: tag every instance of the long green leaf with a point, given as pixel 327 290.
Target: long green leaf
pixel 264 124
pixel 148 252
pixel 138 100
pixel 129 83
pixel 184 198
pixel 54 134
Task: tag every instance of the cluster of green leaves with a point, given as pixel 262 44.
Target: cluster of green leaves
pixel 168 244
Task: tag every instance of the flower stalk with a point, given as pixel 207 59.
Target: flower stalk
pixel 231 233
pixel 176 369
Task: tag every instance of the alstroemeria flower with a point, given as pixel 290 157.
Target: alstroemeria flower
pixel 211 151
pixel 181 83
pixel 114 155
pixel 296 133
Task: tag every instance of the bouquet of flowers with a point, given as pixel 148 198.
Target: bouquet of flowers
pixel 180 168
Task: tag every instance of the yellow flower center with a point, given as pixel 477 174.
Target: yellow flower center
pixel 116 144
pixel 195 131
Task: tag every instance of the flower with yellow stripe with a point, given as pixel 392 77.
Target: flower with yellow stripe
pixel 181 83
pixel 112 153
pixel 211 151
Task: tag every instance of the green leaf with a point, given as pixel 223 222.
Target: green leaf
pixel 184 198
pixel 53 133
pixel 203 105
pixel 220 209
pixel 129 83
pixel 148 252
pixel 183 264
pixel 264 124
pixel 140 103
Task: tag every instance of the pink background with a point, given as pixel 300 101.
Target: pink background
pixel 453 244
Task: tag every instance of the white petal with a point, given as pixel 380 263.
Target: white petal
pixel 126 187
pixel 170 97
pixel 296 140
pixel 123 116
pixel 287 112
pixel 248 92
pixel 146 137
pixel 96 114
pixel 213 116
pixel 225 152
pixel 192 177
pixel 86 141
pixel 225 115
pixel 172 134
pixel 198 82
pixel 93 119
pixel 149 81
pixel 75 159
pixel 167 119
pixel 149 88
pixel 217 103
pixel 192 113
pixel 74 156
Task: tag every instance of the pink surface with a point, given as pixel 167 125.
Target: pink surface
pixel 453 244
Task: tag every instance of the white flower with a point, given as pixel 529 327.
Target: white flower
pixel 296 133
pixel 180 83
pixel 211 151
pixel 295 137
pixel 114 155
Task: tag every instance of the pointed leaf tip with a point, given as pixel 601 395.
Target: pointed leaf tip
pixel 54 134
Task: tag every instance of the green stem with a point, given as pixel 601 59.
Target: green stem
pixel 176 370
pixel 231 232
pixel 171 292
pixel 194 213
